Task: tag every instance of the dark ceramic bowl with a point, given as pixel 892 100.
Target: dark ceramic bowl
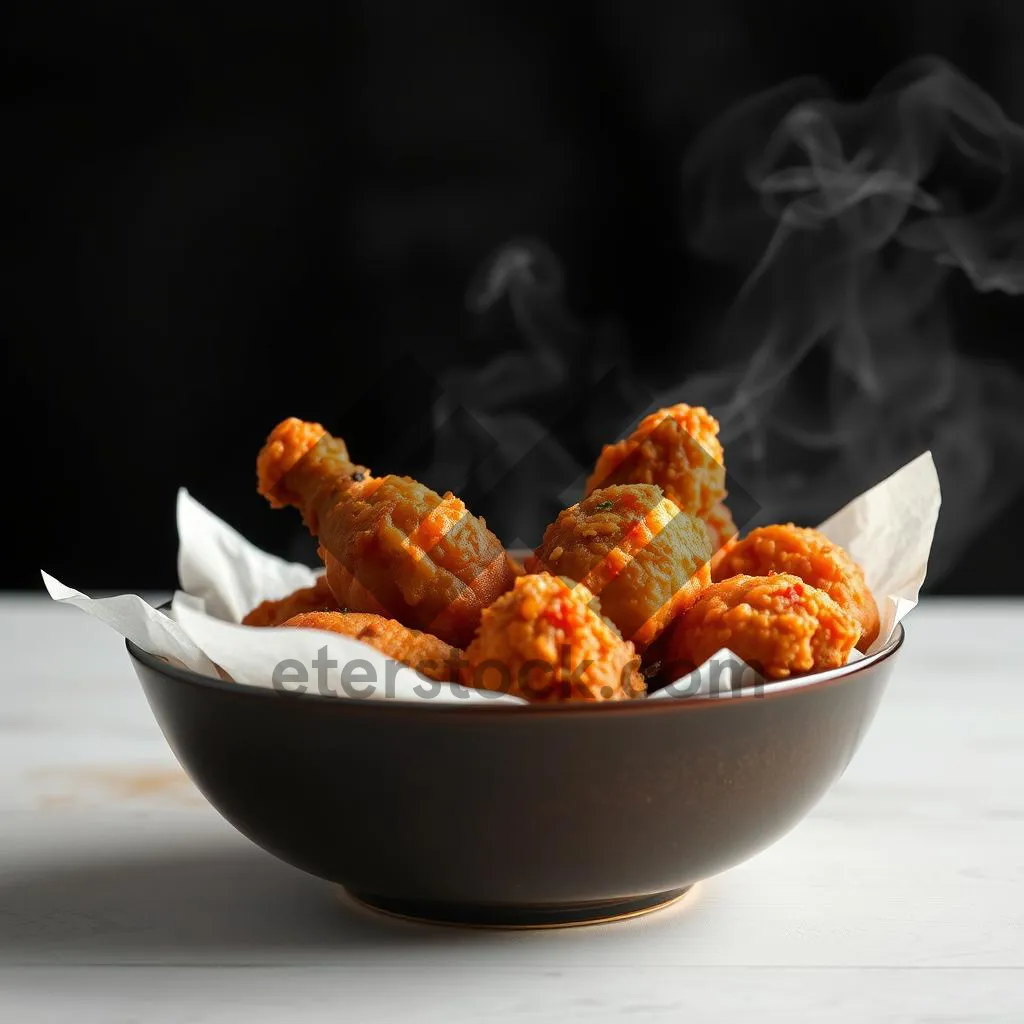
pixel 536 815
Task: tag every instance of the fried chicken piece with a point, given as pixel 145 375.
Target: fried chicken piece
pixel 810 555
pixel 390 545
pixel 545 641
pixel 779 624
pixel 427 654
pixel 676 448
pixel 645 558
pixel 318 597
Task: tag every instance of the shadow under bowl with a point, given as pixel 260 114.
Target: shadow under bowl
pixel 543 815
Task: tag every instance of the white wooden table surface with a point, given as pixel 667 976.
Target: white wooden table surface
pixel 123 897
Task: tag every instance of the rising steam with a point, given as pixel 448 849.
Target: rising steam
pixel 850 217
pixel 836 363
pixel 516 430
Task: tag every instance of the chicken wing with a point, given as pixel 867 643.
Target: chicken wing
pixel 810 555
pixel 776 623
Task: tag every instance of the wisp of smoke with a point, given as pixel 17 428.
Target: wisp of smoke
pixel 850 217
pixel 514 430
pixel 836 361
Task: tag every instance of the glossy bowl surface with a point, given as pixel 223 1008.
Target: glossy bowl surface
pixel 530 816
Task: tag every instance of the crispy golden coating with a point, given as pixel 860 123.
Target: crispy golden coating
pixel 425 559
pixel 302 465
pixel 545 641
pixel 676 448
pixel 810 555
pixel 778 624
pixel 645 558
pixel 318 597
pixel 425 653
pixel 390 545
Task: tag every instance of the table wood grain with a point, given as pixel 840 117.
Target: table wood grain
pixel 124 897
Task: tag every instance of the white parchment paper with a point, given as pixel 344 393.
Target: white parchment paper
pixel 888 530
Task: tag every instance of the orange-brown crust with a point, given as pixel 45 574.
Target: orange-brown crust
pixel 779 624
pixel 809 554
pixel 427 654
pixel 545 641
pixel 676 448
pixel 645 558
pixel 318 597
pixel 390 544
pixel 348 591
pixel 302 465
pixel 288 442
pixel 420 556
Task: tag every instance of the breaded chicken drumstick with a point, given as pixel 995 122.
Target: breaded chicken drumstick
pixel 391 545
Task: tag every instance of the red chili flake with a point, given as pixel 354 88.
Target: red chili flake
pixel 561 613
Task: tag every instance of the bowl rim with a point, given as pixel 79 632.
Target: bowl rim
pixel 736 698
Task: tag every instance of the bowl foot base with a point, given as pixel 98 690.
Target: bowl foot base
pixel 512 915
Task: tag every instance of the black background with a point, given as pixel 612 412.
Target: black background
pixel 215 220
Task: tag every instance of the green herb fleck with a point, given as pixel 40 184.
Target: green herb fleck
pixel 603 506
